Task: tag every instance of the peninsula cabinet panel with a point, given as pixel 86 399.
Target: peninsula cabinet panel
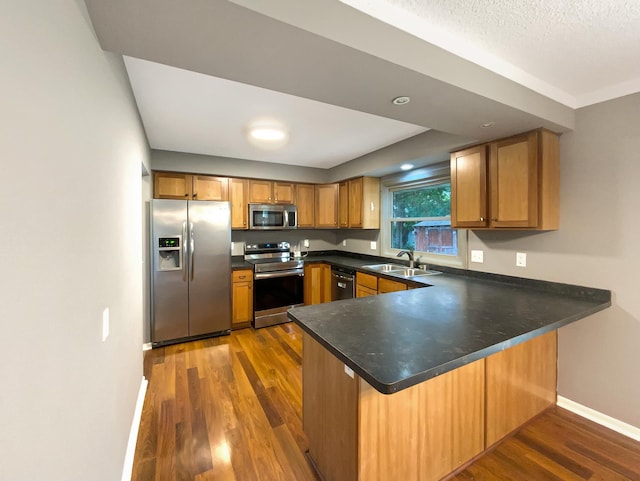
pixel 424 432
pixel 326 206
pixel 238 195
pixel 521 383
pixel 330 413
pixel 305 204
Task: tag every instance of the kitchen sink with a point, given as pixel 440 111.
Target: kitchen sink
pixel 411 272
pixel 385 267
pixel 399 270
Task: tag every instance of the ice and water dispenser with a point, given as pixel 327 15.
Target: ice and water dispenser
pixel 169 255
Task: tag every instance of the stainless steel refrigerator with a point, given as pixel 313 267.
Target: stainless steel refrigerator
pixel 191 270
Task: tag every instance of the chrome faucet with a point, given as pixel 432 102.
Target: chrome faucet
pixel 410 255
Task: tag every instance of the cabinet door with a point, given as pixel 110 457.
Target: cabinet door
pixel 355 202
pixel 284 193
pixel 260 191
pixel 326 206
pixel 242 297
pixel 207 187
pixel 317 283
pixel 513 168
pixel 171 185
pixel 369 205
pixel 344 202
pixel 305 205
pixel 386 285
pixel 469 188
pixel 362 291
pixel 239 206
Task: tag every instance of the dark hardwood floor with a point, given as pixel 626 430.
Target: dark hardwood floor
pixel 229 408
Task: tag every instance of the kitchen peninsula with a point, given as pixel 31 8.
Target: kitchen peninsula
pixel 412 385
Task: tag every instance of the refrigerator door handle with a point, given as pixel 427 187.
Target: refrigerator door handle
pixel 184 251
pixel 193 247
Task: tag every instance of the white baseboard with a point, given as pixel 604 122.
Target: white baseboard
pixel 127 469
pixel 147 346
pixel 597 417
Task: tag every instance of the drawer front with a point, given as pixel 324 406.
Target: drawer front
pixel 367 280
pixel 242 276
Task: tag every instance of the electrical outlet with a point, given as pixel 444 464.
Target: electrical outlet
pixel 305 242
pixel 105 324
pixel 348 371
pixel 477 256
pixel 344 243
pixel 521 259
pixel 374 245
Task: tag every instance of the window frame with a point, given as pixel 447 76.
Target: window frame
pixel 425 177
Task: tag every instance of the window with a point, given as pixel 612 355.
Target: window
pixel 417 216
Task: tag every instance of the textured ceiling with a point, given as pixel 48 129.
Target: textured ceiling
pixel 575 51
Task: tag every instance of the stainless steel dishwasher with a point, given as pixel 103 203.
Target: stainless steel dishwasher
pixel 342 283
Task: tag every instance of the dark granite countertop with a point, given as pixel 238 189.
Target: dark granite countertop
pixel 396 340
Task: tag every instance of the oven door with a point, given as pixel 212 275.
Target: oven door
pixel 274 293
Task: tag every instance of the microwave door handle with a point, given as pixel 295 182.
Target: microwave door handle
pixel 184 251
pixel 286 218
pixel 192 243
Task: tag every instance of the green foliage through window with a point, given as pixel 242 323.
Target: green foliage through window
pixel 421 220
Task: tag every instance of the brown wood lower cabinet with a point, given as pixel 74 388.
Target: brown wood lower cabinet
pixel 242 294
pixel 429 430
pixel 317 283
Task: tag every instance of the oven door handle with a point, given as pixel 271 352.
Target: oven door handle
pixel 271 275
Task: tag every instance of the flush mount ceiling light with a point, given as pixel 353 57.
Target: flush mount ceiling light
pixel 487 125
pixel 406 166
pixel 401 100
pixel 267 134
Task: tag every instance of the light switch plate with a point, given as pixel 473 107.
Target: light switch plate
pixel 305 242
pixel 348 371
pixel 344 243
pixel 477 256
pixel 105 324
pixel 521 259
pixel 374 245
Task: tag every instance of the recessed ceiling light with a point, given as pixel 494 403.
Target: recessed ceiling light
pixel 267 134
pixel 487 125
pixel 401 100
pixel 406 166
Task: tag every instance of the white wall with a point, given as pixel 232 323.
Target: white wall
pixel 71 152
pixel 597 246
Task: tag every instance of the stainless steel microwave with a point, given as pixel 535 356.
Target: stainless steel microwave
pixel 272 217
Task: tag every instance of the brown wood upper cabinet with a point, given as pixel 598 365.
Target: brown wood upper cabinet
pixel 359 203
pixel 238 198
pixel 269 192
pixel 173 185
pixel 305 205
pixel 326 206
pixel 510 183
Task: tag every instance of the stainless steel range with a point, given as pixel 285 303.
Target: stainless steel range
pixel 278 281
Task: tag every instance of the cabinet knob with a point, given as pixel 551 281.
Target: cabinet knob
pixel 481 219
pixel 195 194
pixel 186 195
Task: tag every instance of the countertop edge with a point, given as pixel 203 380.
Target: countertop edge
pixel 390 388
